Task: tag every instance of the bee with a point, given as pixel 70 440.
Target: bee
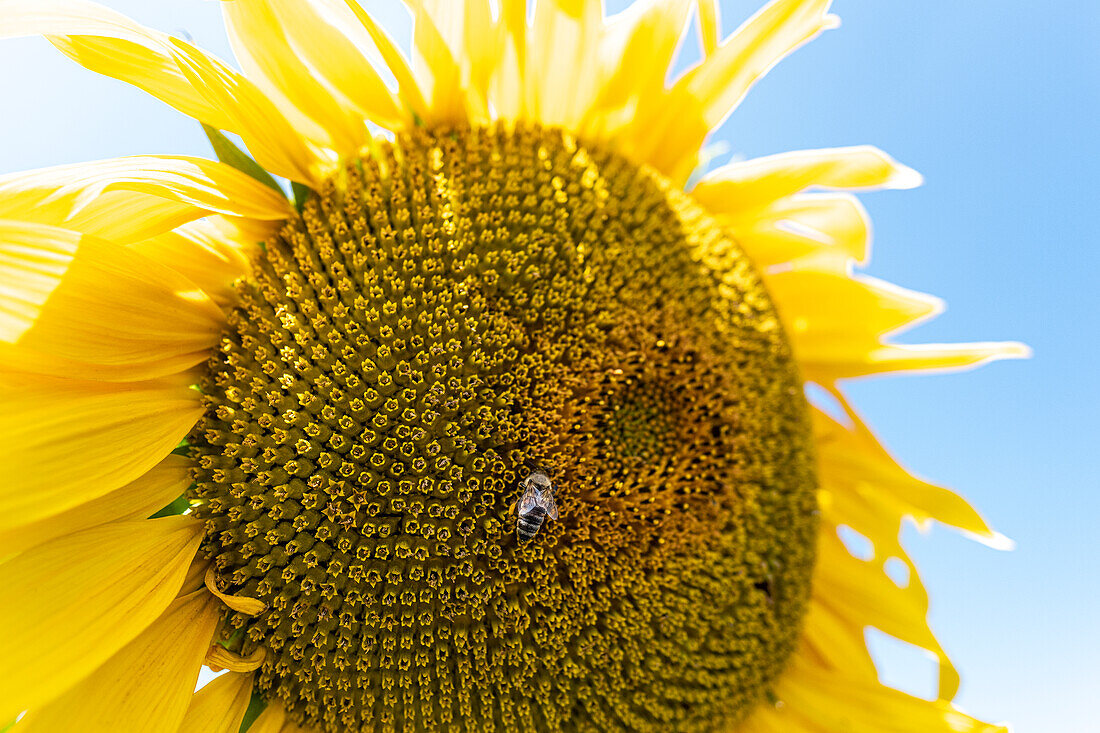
pixel 535 505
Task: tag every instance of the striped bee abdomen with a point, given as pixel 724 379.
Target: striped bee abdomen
pixel 529 524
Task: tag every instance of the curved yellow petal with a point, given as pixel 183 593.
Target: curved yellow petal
pixel 838 323
pixel 196 572
pixel 242 604
pixel 506 87
pixel 331 42
pixel 437 66
pixel 172 70
pixel 751 184
pixel 146 686
pixel 823 699
pixel 205 253
pixel 723 79
pixel 460 45
pixel 133 198
pixel 68 441
pixel 77 304
pixel 834 225
pixel 282 72
pixel 565 37
pixel 635 52
pixel 831 640
pixel 219 707
pixel 139 499
pixel 219 658
pixel 821 304
pixel 854 464
pixel 134 53
pixel 864 595
pixel 71 603
pixel 845 362
pixel 669 131
pixel 863 488
pixel 120 216
pixel 392 57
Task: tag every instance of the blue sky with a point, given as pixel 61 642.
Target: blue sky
pixel 996 102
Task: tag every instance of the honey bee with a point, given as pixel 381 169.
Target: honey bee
pixel 535 505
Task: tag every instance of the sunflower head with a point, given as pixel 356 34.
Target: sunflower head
pixel 443 315
pixel 296 435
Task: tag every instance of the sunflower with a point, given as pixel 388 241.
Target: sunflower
pixel 285 436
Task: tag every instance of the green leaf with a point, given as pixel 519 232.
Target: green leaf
pixel 301 193
pixel 231 155
pixel 255 706
pixel 178 506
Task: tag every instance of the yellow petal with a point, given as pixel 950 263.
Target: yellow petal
pixel 133 198
pixel 864 489
pixel 709 25
pixel 823 699
pixel 724 78
pixel 270 137
pixel 838 323
pixel 219 658
pixel 509 78
pixel 331 41
pixel 244 231
pixel 483 41
pixel 751 184
pixel 864 595
pixel 834 225
pixel 172 70
pixel 473 44
pixel 71 603
pixel 669 132
pixel 565 36
pixel 77 304
pixel 853 463
pixel 242 604
pixel 68 441
pixel 847 362
pixel 205 253
pixel 820 305
pixel 456 72
pixel 283 73
pixel 139 499
pixel 436 66
pixel 135 54
pixel 832 640
pixel 635 53
pixel 815 698
pixel 395 61
pixel 219 707
pixel 147 685
pixel 196 572
pixel 271 720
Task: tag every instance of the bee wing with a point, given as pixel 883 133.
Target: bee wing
pixel 528 501
pixel 546 501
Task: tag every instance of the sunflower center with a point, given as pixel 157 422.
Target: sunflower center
pixel 444 316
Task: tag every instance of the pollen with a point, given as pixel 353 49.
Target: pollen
pixel 446 314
